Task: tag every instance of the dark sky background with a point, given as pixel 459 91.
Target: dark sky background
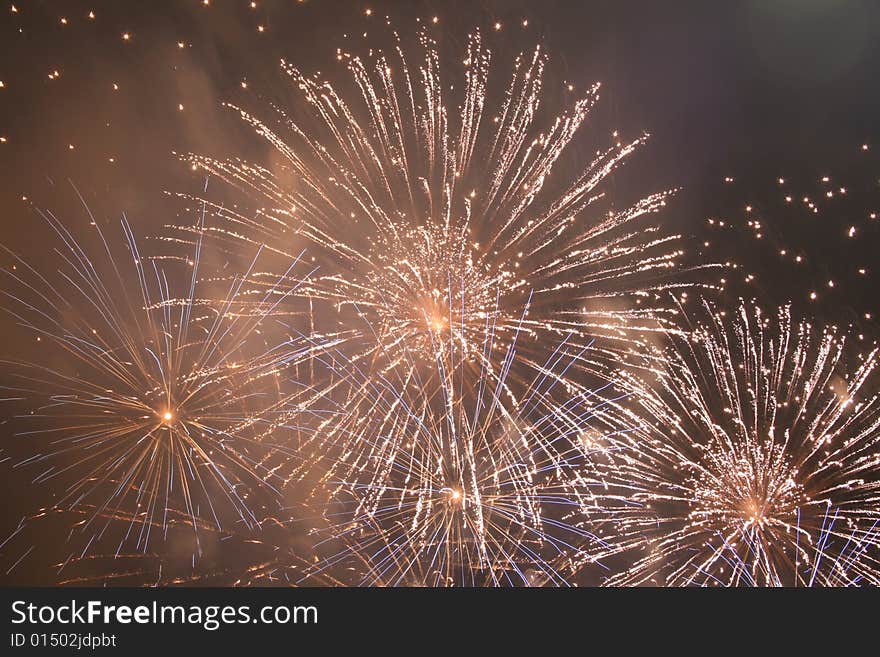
pixel 753 90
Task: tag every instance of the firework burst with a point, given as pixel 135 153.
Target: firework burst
pixel 149 406
pixel 754 458
pixel 437 207
pixel 463 484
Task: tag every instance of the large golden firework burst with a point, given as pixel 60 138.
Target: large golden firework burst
pixel 430 206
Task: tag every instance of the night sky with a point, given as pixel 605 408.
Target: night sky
pixel 747 103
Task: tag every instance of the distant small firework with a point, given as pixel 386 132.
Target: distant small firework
pixel 146 398
pixel 754 460
pixel 436 206
pixel 464 486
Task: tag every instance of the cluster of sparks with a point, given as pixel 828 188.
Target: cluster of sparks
pixel 464 485
pixel 431 209
pixel 148 405
pixel 480 374
pixel 754 458
pixel 840 208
